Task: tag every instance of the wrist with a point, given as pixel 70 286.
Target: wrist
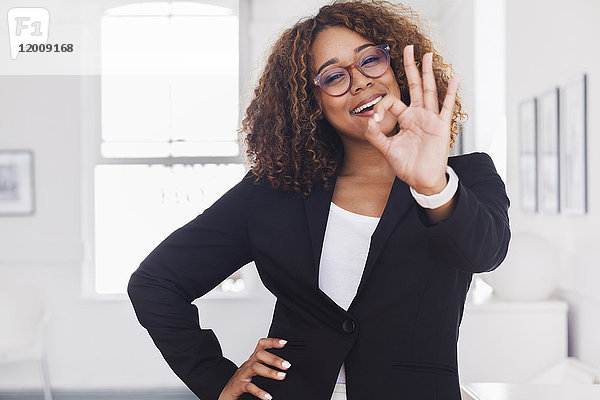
pixel 442 196
pixel 435 189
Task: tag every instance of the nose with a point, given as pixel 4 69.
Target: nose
pixel 359 80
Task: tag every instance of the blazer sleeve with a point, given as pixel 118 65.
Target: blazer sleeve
pixel 475 237
pixel 190 262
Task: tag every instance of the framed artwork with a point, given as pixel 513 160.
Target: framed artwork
pixel 16 182
pixel 548 167
pixel 528 168
pixel 573 146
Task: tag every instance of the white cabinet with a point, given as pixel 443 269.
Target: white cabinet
pixel 510 341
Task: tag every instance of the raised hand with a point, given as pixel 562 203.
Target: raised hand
pixel 418 153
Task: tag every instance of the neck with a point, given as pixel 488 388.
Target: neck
pixel 364 162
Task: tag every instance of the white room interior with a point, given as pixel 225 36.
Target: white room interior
pixel 504 52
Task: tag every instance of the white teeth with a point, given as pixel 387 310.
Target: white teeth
pixel 369 104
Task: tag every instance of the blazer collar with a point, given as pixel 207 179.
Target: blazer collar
pixel 317 211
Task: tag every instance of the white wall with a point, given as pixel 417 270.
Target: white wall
pixel 473 39
pixel 457 47
pixel 548 44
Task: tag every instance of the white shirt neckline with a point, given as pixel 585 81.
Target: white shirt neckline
pixel 357 217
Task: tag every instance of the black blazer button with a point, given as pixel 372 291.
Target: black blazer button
pixel 348 326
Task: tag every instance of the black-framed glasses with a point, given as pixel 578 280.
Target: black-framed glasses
pixel 372 63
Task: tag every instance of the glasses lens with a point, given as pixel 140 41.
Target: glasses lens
pixel 374 63
pixel 335 81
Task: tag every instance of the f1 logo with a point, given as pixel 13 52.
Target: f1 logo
pixel 27 25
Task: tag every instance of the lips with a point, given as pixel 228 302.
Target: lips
pixel 366 100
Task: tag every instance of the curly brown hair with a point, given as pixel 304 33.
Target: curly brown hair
pixel 289 142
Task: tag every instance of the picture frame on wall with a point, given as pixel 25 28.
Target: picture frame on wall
pixel 16 183
pixel 528 167
pixel 548 156
pixel 573 146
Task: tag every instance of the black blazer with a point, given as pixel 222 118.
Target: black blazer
pixel 398 338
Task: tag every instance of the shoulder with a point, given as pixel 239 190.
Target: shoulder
pixel 238 195
pixel 476 157
pixel 253 189
pixel 471 164
pixel 477 172
pixel 264 189
pixel 252 179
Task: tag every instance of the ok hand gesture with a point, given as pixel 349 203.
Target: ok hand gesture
pixel 418 153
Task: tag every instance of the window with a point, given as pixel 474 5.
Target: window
pixel 167 146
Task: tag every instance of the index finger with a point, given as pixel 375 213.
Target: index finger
pixel 266 343
pixel 390 103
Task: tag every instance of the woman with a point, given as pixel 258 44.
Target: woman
pixel 358 221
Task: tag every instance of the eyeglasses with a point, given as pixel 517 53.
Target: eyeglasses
pixel 372 63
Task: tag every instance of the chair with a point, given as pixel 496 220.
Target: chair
pixel 22 327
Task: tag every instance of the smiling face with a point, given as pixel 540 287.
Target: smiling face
pixel 339 43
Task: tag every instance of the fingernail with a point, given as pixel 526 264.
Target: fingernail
pixel 268 396
pixel 281 373
pixel 377 117
pixel 282 341
pixel 286 364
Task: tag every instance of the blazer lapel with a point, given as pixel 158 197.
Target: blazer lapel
pixel 317 211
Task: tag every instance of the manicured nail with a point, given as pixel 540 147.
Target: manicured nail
pixel 281 374
pixel 377 117
pixel 286 364
pixel 282 341
pixel 268 396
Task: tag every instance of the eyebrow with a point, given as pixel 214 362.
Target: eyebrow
pixel 334 60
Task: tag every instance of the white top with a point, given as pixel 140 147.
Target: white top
pixel 344 254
